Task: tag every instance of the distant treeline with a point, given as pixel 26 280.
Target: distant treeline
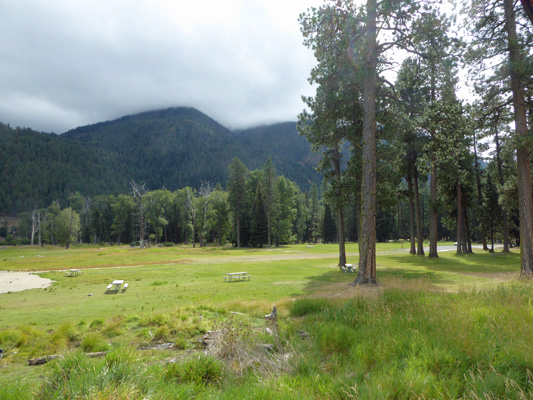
pixel 269 208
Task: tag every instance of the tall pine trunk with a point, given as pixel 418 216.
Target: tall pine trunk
pixel 419 230
pixel 412 235
pixel 468 237
pixel 460 219
pixel 433 215
pixel 505 223
pixel 525 202
pixel 367 239
pixel 340 212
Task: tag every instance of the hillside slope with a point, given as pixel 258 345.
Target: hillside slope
pixel 170 148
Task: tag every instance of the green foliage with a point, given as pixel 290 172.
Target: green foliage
pixel 77 376
pixel 201 370
pixel 168 148
pixel 93 342
pixel 260 225
pixel 303 307
pixel 329 230
pixel 67 227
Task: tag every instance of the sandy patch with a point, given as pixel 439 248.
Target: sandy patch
pixel 19 281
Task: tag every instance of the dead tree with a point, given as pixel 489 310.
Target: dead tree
pixel 139 191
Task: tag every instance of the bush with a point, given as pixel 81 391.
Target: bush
pixel 180 343
pixel 11 241
pixel 93 342
pixel 161 333
pixel 97 323
pixel 203 370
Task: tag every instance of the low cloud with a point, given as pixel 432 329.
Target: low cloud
pixel 64 64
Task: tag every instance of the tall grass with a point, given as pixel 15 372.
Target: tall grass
pixel 399 344
pixel 442 329
pixel 415 344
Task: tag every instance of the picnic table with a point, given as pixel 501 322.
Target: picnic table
pixel 349 268
pixel 73 272
pixel 236 277
pixel 117 283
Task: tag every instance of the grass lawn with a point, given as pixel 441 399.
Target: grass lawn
pixel 425 317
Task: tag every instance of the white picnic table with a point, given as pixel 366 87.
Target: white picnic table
pixel 236 276
pixel 73 272
pixel 350 268
pixel 117 283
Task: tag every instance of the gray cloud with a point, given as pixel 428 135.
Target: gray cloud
pixel 66 63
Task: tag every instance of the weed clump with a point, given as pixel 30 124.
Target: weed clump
pixel 303 307
pixel 201 370
pixel 97 323
pixel 93 342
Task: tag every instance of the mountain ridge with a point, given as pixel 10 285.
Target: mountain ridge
pixel 172 148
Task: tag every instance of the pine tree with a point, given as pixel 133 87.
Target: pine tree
pixel 260 221
pixel 495 37
pixel 329 230
pixel 237 193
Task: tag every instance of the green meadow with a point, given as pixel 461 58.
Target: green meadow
pixel 452 327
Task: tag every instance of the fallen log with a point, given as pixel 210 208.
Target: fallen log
pixel 97 354
pixel 44 360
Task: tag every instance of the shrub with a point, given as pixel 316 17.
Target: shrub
pixel 180 343
pixel 203 370
pixel 93 342
pixel 97 323
pixel 154 320
pixel 161 333
pixel 159 283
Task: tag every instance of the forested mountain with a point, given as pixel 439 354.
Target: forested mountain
pixel 292 153
pixel 36 168
pixel 170 148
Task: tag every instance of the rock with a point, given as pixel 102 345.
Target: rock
pixel 303 334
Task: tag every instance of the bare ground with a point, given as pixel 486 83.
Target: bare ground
pixel 19 281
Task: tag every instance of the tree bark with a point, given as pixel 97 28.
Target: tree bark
pixel 340 212
pixel 412 235
pixel 459 219
pixel 479 196
pixel 419 230
pixel 341 236
pixel 468 238
pixel 39 237
pixel 505 223
pixel 433 216
pixel 367 240
pixel 33 226
pixel 525 193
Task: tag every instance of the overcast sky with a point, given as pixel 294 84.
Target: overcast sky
pixel 68 63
